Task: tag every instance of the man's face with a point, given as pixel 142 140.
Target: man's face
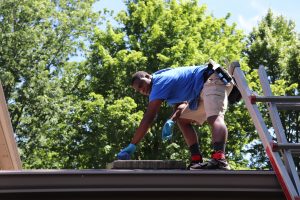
pixel 142 85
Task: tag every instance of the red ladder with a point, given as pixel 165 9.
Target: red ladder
pixel 280 152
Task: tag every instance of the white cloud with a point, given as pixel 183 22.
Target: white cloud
pixel 248 24
pixel 258 9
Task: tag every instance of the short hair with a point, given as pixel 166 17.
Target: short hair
pixel 138 76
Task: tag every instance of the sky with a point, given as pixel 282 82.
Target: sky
pixel 245 13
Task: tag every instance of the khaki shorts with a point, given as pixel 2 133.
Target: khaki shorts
pixel 213 101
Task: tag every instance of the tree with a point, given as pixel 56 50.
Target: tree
pixel 37 37
pixel 156 34
pixel 274 43
pixel 80 114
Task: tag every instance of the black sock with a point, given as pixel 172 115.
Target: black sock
pixel 219 146
pixel 195 153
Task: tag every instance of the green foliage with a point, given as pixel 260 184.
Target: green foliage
pixel 37 37
pixel 274 44
pixel 80 114
pixel 270 43
pixel 156 34
pixel 100 129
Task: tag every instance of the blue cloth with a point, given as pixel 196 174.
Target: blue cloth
pixel 175 85
pixel 167 130
pixel 125 153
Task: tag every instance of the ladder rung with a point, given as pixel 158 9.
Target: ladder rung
pixel 288 106
pixel 290 146
pixel 295 152
pixel 279 99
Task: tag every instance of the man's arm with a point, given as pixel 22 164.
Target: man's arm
pixel 166 133
pixel 152 110
pixel 177 110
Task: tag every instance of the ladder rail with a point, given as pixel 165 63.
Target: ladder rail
pixel 278 128
pixel 282 174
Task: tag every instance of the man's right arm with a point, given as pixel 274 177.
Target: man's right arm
pixel 152 110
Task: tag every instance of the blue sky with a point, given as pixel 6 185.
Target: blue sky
pixel 246 13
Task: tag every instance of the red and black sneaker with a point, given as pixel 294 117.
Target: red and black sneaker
pixel 217 161
pixel 195 160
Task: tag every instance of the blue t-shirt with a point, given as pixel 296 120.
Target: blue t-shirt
pixel 175 85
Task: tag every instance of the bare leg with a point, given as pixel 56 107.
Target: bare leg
pixel 219 135
pixel 188 131
pixel 219 129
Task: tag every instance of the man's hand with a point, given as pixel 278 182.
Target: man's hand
pixel 167 130
pixel 125 153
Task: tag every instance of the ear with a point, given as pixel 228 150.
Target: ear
pixel 148 76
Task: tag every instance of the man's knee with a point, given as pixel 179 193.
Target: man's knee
pixel 216 119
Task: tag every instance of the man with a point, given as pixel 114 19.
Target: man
pixel 198 95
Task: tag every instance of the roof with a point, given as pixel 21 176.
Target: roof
pixel 139 184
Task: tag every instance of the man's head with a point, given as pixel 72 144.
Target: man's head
pixel 141 82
